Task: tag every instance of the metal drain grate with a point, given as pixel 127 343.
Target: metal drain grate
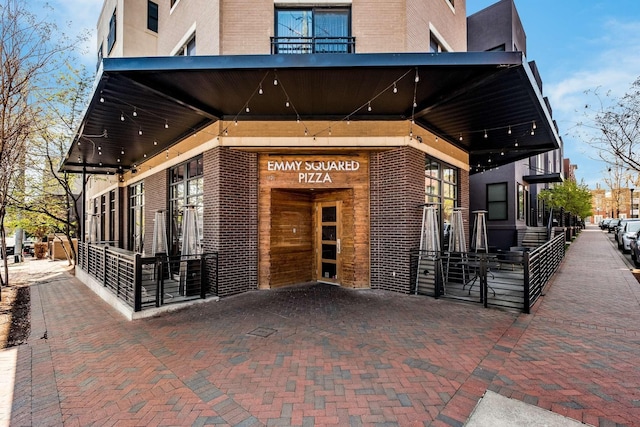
pixel 262 332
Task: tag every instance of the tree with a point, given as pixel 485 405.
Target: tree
pixel 49 198
pixel 31 50
pixel 617 126
pixel 573 197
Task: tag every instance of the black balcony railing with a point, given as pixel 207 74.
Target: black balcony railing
pixel 303 45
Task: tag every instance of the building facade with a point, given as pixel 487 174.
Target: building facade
pixel 509 193
pixel 307 136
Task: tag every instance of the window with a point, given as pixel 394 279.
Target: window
pixel 497 208
pixel 100 56
pixel 112 215
pixel 441 188
pixel 435 45
pixel 521 202
pixel 152 16
pixel 111 38
pixel 136 217
pixel 103 217
pixel 189 48
pixel 186 188
pixel 313 30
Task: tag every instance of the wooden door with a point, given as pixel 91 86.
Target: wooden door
pixel 328 242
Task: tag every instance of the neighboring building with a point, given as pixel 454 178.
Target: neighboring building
pixel 307 135
pixel 569 170
pixel 616 203
pixel 509 193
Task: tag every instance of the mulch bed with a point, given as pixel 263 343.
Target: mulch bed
pixel 15 320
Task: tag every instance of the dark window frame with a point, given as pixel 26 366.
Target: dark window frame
pixel 312 42
pixel 188 176
pixel 111 38
pixel 136 210
pixel 492 205
pixel 152 16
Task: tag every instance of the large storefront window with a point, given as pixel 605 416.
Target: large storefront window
pixel 186 182
pixel 136 217
pixel 441 188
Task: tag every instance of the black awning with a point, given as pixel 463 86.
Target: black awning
pixel 543 178
pixel 487 103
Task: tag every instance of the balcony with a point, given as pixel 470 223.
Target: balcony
pixel 303 45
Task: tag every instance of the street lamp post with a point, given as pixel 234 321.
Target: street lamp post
pixel 631 213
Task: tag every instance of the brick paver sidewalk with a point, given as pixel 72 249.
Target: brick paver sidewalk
pixel 321 355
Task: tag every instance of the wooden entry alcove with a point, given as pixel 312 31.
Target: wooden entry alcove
pixel 290 219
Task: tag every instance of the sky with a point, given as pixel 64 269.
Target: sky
pixel 578 45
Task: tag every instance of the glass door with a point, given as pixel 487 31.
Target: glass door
pixel 328 242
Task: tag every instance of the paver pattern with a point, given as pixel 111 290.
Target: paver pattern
pixel 319 355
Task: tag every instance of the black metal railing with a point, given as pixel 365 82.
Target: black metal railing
pixel 306 45
pixel 143 282
pixel 508 279
pixel 540 265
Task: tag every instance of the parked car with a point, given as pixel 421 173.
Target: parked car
pixel 626 233
pixel 11 247
pixel 611 227
pixel 605 223
pixel 621 229
pixel 635 250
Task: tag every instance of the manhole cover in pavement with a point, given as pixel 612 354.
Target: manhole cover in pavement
pixel 262 332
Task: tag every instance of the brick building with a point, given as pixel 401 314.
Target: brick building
pixel 307 136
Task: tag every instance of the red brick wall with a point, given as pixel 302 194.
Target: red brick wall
pixel 397 191
pixel 231 217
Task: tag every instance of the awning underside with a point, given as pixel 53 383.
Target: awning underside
pixel 486 103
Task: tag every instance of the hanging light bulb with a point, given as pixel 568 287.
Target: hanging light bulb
pixel 417 79
pixel 247 109
pixel 155 142
pixel 235 122
pixel 306 132
pixel 533 132
pixel 502 153
pixel 118 159
pixel 260 91
pixel 329 131
pixel 509 131
pixel 485 134
pixel 534 125
pixel 78 159
pixel 226 132
pixel 516 144
pixel 275 81
pixel 121 117
pixel 436 139
pixel 122 151
pixel 166 125
pixel 140 131
pixel 286 104
pixel 415 104
pixel 135 113
pixel 349 120
pixel 144 155
pixel 369 106
pixel 101 99
pixel 460 137
pixel 395 89
pixel 297 119
pixel 166 156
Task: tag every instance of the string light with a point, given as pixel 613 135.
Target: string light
pixel 121 117
pixel 155 142
pixel 509 131
pixel 247 109
pixel 417 79
pixel 135 113
pixel 101 99
pixel 275 81
pixel 460 137
pixel 118 159
pixel 166 124
pixel 534 125
pixel 144 155
pixel 485 134
pixel 235 122
pixel 140 131
pixel 260 91
pixel 166 156
pixel 395 89
pixel 369 106
pixel 286 104
pixel 122 151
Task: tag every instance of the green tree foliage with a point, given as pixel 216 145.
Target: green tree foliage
pixel 573 197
